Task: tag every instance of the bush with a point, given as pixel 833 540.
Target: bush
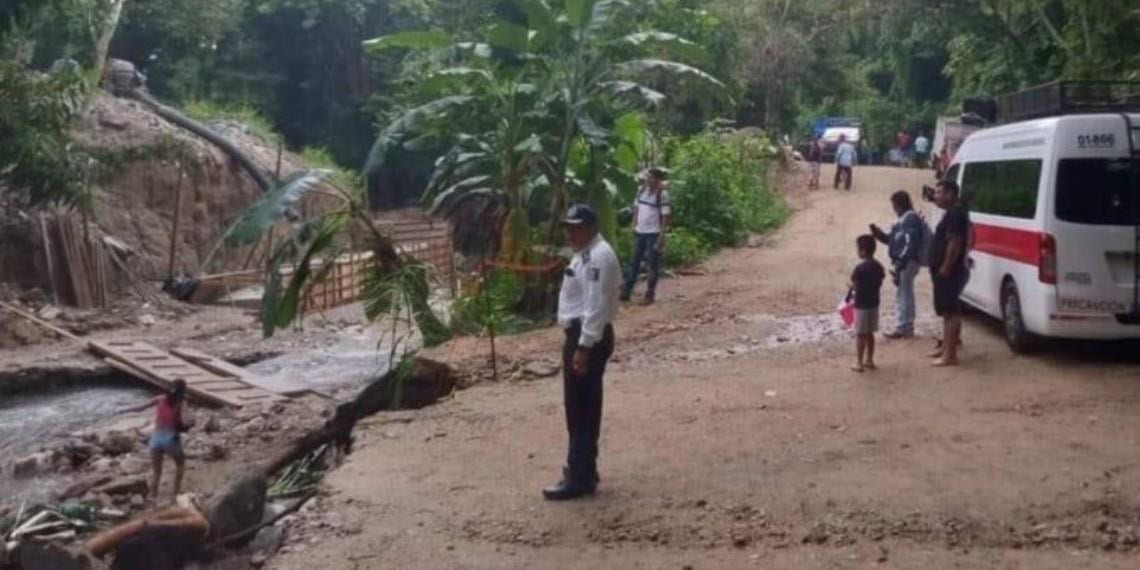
pixel 683 247
pixel 491 305
pixel 720 191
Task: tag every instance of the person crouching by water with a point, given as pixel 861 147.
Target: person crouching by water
pixel 904 242
pixel 587 306
pixel 866 281
pixel 166 439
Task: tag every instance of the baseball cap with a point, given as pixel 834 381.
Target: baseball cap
pixel 579 214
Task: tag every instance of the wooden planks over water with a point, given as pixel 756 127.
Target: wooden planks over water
pixel 161 368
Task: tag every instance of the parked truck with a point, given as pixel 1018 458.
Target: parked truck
pixel 949 134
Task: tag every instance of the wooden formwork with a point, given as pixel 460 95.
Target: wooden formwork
pixel 422 239
pixel 344 283
pixel 426 240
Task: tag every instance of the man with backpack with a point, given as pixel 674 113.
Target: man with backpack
pixel 651 212
pixel 908 244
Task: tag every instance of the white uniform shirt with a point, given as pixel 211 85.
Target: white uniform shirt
pixel 590 290
pixel 648 214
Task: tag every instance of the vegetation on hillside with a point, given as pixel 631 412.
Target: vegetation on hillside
pixel 501 112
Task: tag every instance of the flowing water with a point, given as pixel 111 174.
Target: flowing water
pixel 32 421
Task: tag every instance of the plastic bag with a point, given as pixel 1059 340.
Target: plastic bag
pixel 846 309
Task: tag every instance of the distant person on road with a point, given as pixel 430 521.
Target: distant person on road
pixel 903 143
pixel 845 159
pixel 651 217
pixel 904 243
pixel 587 307
pixel 949 269
pixel 166 439
pixel 866 282
pixel 814 158
pixel 921 149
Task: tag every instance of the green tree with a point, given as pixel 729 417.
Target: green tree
pixel 554 81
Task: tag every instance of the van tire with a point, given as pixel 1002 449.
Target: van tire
pixel 1019 338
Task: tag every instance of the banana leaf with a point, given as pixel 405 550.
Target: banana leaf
pixel 413 39
pixel 272 207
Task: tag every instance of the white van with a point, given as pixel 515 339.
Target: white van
pixel 1055 208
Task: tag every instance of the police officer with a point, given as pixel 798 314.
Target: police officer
pixel 587 306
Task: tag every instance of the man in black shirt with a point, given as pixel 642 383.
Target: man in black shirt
pixel 948 269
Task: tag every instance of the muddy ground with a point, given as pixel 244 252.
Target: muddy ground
pixel 735 436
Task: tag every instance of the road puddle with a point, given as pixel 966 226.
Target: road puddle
pixel 769 332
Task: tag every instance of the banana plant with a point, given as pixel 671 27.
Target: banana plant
pixel 547 80
pixel 394 284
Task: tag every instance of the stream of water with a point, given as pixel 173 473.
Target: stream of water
pixel 35 420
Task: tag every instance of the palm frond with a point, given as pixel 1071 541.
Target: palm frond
pixel 412 39
pixel 274 205
pixel 411 121
pixel 634 91
pixel 672 44
pixel 639 66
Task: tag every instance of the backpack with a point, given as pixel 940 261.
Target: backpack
pixel 926 240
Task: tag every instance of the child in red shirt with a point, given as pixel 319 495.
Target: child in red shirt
pixel 166 438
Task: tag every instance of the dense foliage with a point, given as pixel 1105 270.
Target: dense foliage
pixel 501 112
pixel 720 192
pixel 38 162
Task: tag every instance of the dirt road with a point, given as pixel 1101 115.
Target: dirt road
pixel 736 437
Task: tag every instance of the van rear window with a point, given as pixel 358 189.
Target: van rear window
pixel 1002 188
pixel 1097 191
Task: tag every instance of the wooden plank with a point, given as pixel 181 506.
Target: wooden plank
pixel 35 320
pixel 163 385
pixel 193 388
pixel 225 368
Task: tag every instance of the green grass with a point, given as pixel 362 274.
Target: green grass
pixel 319 157
pixel 206 111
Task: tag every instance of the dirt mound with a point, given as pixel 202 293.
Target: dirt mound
pixel 137 206
pixel 148 158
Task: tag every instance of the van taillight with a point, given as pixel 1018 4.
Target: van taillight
pixel 1047 260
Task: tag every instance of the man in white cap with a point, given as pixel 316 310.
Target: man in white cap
pixel 587 306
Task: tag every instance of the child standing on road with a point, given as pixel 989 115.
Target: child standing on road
pixel 866 281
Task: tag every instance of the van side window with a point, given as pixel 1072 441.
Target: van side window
pixel 1003 188
pixel 1096 191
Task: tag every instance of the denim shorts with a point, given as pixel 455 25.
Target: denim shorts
pixel 168 442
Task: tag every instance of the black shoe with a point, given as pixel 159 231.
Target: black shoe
pixel 567 490
pixel 650 298
pixel 624 296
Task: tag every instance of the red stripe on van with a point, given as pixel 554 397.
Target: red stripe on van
pixel 1023 246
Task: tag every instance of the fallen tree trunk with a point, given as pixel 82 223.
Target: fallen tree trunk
pixel 176 117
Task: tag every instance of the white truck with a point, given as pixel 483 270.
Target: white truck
pixel 949 134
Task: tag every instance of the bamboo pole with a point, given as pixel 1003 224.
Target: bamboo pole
pixel 176 222
pixel 36 320
pixel 50 261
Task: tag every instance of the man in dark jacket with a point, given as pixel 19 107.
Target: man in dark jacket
pixel 905 242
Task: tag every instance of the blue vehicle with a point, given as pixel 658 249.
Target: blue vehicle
pixel 820 125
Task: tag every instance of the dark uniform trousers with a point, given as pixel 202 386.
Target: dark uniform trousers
pixel 583 398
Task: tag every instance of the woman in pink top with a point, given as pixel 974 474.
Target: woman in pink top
pixel 166 438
